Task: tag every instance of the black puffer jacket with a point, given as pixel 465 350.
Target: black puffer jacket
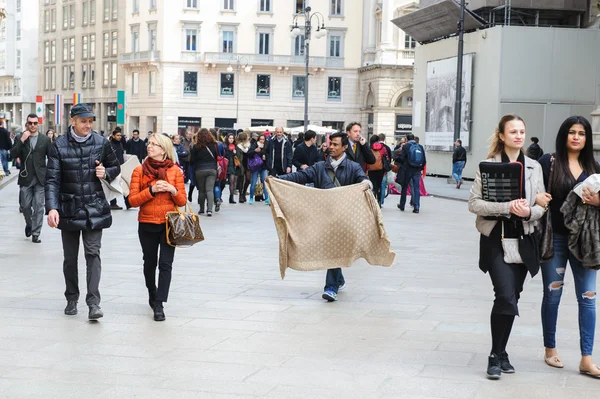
pixel 72 187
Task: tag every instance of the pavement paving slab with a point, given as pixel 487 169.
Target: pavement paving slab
pixel 234 329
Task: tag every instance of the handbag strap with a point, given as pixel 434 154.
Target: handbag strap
pixel 551 174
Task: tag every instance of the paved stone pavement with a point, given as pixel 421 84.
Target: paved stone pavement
pixel 234 329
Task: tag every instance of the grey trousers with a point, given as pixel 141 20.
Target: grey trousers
pixel 92 240
pixel 205 182
pixel 32 203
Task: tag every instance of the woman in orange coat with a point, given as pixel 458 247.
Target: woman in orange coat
pixel 157 188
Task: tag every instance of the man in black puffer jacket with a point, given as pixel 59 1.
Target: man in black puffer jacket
pixel 76 203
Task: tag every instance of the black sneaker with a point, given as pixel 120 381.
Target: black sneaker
pixel 494 372
pixel 159 313
pixel 505 364
pixel 415 210
pixel 399 207
pixel 218 206
pixel 71 309
pixel 95 312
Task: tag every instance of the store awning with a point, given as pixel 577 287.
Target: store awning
pixel 436 21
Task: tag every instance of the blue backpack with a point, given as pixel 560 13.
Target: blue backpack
pixel 416 158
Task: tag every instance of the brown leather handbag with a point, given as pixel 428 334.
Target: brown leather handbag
pixel 183 228
pixel 547 234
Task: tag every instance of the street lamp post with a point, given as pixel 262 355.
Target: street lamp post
pixel 295 32
pixel 459 73
pixel 239 61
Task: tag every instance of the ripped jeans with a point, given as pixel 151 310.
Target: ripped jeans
pixel 553 275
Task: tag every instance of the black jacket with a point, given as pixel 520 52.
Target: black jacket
pixel 304 155
pixel 363 155
pixel 5 143
pixel 535 151
pixel 72 187
pixel 347 173
pixel 287 154
pixel 118 148
pixel 33 162
pixel 460 154
pixel 137 148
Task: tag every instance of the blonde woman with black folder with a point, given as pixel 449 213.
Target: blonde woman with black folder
pixel 506 219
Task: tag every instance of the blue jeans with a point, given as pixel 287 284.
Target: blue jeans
pixel 263 175
pixel 414 179
pixel 553 275
pixel 457 169
pixel 384 188
pixel 217 190
pixel 4 159
pixel 334 280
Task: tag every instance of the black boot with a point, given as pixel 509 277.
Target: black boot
pixel 231 200
pixel 505 365
pixel 494 372
pixel 159 313
pixel 190 193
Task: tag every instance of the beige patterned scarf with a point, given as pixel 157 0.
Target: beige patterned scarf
pixel 324 237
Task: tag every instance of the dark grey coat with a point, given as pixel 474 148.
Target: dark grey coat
pixel 583 223
pixel 33 161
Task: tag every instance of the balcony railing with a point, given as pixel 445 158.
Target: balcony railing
pixel 191 56
pixel 140 57
pixel 408 54
pixel 273 60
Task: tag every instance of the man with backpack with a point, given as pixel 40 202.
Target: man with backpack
pixel 412 161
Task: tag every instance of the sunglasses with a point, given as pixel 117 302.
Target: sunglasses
pixel 33 123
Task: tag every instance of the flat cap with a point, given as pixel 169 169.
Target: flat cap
pixel 82 111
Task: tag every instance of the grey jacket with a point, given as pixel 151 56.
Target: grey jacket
pixel 534 184
pixel 582 222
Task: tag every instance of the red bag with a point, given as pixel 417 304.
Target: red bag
pixel 223 164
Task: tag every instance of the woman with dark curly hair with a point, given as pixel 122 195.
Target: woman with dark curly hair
pixel 204 161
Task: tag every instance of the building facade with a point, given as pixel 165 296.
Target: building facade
pixel 191 63
pixel 18 61
pixel 79 46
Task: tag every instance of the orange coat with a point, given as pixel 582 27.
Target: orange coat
pixel 153 209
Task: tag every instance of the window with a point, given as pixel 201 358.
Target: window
pixel 66 17
pixel 18 30
pixel 46 78
pixel 92 15
pixel 228 41
pixel 106 48
pixel 152 37
pixel 265 6
pixel 115 44
pixel 72 49
pixel 17 87
pixel 190 83
pixel 298 86
pixel 135 39
pixel 191 3
pixel 336 7
pixel 92 76
pixel 227 84
pixel 3 30
pixel 335 46
pixel 52 51
pixel 152 82
pixel 18 59
pixel 72 15
pixel 105 74
pixel 113 75
pixel 263 43
pixel 92 46
pixel 152 4
pixel 2 59
pixel 65 49
pixel 18 5
pixel 46 52
pixel 228 5
pixel 53 78
pixel 84 47
pixel 409 42
pixel 71 76
pixel 47 21
pixel 299 45
pixel 191 39
pixel 263 85
pixel 334 88
pixel 85 13
pixel 136 6
pixel 53 19
pixel 300 5
pixel 135 83
pixel 115 9
pixel 84 69
pixel 106 10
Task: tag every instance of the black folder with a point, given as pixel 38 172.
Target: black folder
pixel 501 182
